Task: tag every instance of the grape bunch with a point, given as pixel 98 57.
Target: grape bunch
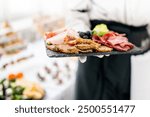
pixel 85 35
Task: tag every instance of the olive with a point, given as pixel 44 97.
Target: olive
pixel 88 33
pixel 81 34
pixel 85 37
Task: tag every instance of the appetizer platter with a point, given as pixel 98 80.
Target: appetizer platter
pixel 14 87
pixel 99 41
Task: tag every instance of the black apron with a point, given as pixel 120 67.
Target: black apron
pixel 109 78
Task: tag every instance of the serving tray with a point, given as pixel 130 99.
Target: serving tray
pixel 133 51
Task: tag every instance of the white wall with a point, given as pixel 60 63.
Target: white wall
pixel 140 83
pixel 10 9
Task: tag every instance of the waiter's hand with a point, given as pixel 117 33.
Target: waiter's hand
pixel 84 58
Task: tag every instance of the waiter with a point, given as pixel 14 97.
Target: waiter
pixel 109 78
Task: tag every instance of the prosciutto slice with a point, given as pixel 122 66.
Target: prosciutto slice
pixel 114 40
pixel 61 37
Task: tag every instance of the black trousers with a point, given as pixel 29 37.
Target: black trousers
pixel 108 78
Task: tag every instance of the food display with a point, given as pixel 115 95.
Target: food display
pixel 13 62
pixel 56 77
pixel 111 39
pixel 47 72
pixel 10 42
pixel 99 41
pixel 44 23
pixel 69 42
pixel 14 87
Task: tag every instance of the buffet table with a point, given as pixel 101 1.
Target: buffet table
pixel 59 84
pixel 64 89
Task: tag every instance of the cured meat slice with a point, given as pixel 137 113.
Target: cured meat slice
pixel 60 38
pixel 114 40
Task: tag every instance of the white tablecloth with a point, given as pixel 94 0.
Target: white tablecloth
pixel 33 65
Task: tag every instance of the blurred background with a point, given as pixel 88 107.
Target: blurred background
pixel 23 55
